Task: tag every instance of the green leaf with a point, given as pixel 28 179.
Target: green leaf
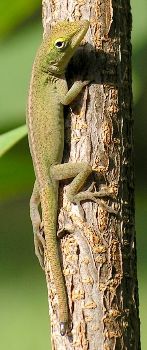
pixel 17 52
pixel 10 138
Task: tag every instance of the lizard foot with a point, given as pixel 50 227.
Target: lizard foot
pixel 39 243
pixel 105 191
pixel 65 228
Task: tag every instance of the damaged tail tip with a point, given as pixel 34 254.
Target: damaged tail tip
pixel 63 328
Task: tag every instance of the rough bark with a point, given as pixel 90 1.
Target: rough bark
pixel 99 256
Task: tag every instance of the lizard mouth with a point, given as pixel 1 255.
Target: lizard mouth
pixel 79 35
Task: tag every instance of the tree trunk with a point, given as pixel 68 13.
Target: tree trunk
pixel 99 256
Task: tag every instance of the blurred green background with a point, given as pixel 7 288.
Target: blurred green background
pixel 23 297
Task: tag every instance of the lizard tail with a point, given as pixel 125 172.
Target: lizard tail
pixel 49 214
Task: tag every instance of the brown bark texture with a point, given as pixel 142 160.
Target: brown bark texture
pixel 99 255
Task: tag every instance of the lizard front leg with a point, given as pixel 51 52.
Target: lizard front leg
pixel 67 96
pixel 39 241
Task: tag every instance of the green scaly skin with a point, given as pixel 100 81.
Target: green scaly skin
pixel 48 94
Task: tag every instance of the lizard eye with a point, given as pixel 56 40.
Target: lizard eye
pixel 60 43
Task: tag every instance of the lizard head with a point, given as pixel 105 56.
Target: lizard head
pixel 60 45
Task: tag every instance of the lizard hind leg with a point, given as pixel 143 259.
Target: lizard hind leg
pixel 39 241
pixel 80 171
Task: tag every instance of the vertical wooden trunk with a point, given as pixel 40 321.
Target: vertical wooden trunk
pixel 99 256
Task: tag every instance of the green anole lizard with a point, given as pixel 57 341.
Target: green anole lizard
pixel 45 119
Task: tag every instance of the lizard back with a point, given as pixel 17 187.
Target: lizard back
pixel 45 124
